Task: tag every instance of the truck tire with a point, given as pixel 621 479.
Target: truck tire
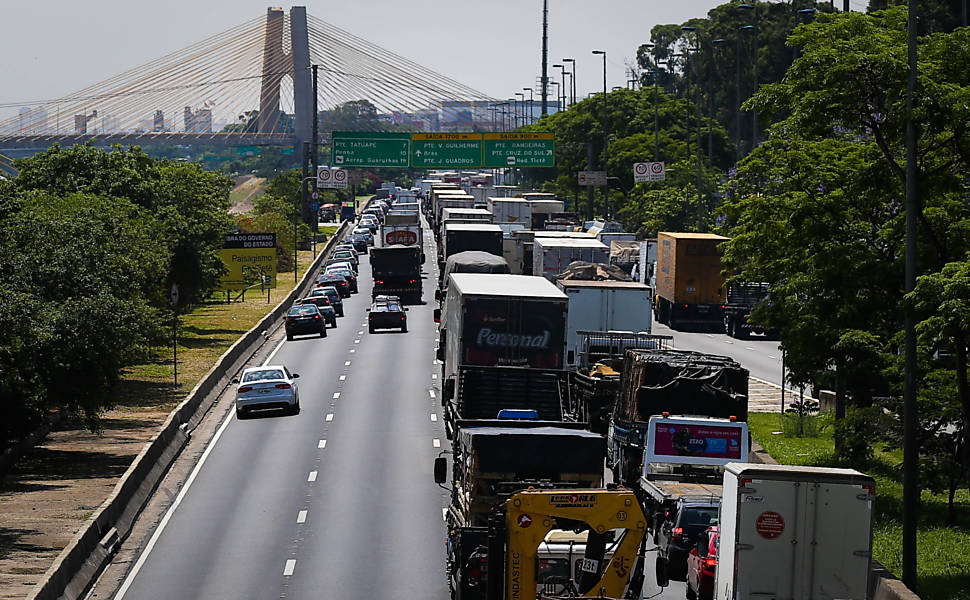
pixel 661 572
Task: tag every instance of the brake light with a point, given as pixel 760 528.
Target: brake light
pixel 678 533
pixel 245 388
pixel 283 386
pixel 402 317
pixel 412 281
pixel 380 281
pixel 316 316
pixel 288 319
pixel 685 306
pixel 710 562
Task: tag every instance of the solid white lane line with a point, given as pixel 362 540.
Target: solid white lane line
pixel 431 393
pixel 301 516
pixel 336 395
pixel 273 353
pixel 312 476
pixel 322 444
pixel 342 378
pixel 330 416
pixel 171 510
pixel 346 363
pixel 436 443
pixel 434 417
pixel 288 568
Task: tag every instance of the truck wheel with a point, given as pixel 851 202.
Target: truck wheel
pixel 661 569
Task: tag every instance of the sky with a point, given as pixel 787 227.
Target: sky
pixel 53 48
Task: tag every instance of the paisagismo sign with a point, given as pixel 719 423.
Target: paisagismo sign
pixel 249 257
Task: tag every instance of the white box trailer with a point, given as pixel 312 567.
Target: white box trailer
pixel 551 256
pixel 604 306
pixel 465 215
pixel 797 533
pixel 510 210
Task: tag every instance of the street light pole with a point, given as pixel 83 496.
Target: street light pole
pixel 531 98
pixel 562 86
pixel 519 116
pixel 697 107
pixel 572 77
pixel 606 137
pixel 742 29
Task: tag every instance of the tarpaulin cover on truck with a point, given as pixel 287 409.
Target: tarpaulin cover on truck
pixel 682 383
pixel 624 252
pixel 535 450
pixel 474 261
pixel 579 270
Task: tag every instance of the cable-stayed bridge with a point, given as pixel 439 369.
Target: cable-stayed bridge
pixel 252 85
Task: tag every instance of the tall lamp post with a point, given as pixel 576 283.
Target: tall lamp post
pixel 754 64
pixel 519 116
pixel 572 77
pixel 606 136
pixel 742 29
pixel 562 85
pixel 697 107
pixel 531 98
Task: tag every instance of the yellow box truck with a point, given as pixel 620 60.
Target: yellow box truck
pixel 690 288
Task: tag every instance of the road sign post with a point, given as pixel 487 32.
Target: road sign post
pixel 446 150
pixel 592 178
pixel 175 294
pixel 519 150
pixel 370 149
pixel 331 178
pixel 649 171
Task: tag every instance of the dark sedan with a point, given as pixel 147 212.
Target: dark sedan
pixel 387 314
pixel 323 305
pixel 330 292
pixel 304 319
pixel 337 281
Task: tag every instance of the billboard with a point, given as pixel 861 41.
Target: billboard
pixel 249 258
pixel 696 441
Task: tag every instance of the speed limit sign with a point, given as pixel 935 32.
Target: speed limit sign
pixel 323 176
pixel 651 171
pixel 339 178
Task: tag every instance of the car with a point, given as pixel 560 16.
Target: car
pixel 370 224
pixel 679 534
pixel 701 566
pixel 342 261
pixel 361 238
pixel 347 246
pixel 347 256
pixel 303 319
pixel 377 212
pixel 323 305
pixel 348 274
pixel 330 292
pixel 336 281
pixel 387 313
pixel 268 386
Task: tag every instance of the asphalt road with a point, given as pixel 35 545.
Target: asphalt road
pixel 761 357
pixel 338 501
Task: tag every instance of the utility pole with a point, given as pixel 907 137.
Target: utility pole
pixel 545 57
pixel 845 9
pixel 315 215
pixel 911 492
pixel 304 190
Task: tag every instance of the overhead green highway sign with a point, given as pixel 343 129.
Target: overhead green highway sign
pixel 446 150
pixel 519 150
pixel 370 149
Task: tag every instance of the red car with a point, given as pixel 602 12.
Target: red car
pixel 701 563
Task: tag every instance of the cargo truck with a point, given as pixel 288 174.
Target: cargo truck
pixel 470 261
pixel 465 215
pixel 511 210
pixel 741 300
pixel 676 381
pixel 551 256
pixel 493 460
pixel 794 532
pixel 603 306
pixel 690 286
pixel 501 345
pixel 683 460
pixel 396 270
pixel 461 237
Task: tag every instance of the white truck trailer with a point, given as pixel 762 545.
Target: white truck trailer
pixel 551 256
pixel 604 306
pixel 797 533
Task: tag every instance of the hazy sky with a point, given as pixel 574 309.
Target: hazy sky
pixel 53 48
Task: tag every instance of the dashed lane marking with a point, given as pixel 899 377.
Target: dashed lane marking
pixel 434 417
pixel 444 514
pixel 342 378
pixel 356 341
pixel 431 393
pixel 436 443
pixel 330 416
pixel 748 348
pixel 346 363
pixel 361 332
pixel 336 395
pixel 289 567
pixel 301 516
pixel 312 477
pixel 322 444
pixel 434 376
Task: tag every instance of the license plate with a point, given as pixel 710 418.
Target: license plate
pixel 265 390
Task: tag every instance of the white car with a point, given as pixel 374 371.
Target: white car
pixel 268 386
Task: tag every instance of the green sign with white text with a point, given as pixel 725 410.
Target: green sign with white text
pixel 370 149
pixel 446 150
pixel 519 150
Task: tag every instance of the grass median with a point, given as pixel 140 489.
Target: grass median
pixel 943 552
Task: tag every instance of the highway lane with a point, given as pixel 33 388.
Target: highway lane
pixel 759 356
pixel 337 501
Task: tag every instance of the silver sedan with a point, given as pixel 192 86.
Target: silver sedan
pixel 268 386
